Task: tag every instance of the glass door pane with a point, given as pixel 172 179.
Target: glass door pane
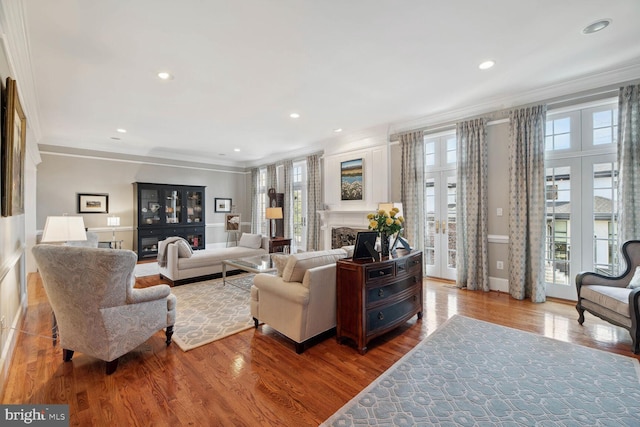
pixel 430 224
pixel 173 207
pixel 194 206
pixel 558 239
pixel 150 204
pixel 605 238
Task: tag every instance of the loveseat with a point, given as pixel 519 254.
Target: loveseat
pixel 180 264
pixel 300 301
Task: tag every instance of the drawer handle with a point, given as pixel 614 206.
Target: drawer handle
pixel 380 316
pixel 380 292
pixel 381 273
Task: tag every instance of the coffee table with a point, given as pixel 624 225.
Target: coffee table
pixel 254 264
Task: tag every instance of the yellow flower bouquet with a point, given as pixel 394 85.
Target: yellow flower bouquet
pixel 385 222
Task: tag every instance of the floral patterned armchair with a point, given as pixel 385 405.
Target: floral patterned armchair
pixel 97 309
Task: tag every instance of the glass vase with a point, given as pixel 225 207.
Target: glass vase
pixel 384 244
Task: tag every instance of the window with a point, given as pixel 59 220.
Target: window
pixel 581 180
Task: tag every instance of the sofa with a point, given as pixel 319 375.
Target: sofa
pixel 300 300
pixel 179 264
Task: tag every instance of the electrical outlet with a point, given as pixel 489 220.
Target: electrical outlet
pixel 500 265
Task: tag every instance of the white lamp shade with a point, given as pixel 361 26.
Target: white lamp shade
pixel 63 229
pixel 274 213
pixel 390 205
pixel 113 221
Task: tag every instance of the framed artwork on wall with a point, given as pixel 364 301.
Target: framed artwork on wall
pixel 232 222
pixel 93 203
pixel 222 205
pixel 351 180
pixel 14 129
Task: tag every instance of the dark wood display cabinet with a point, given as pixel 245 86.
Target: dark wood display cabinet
pixel 164 210
pixel 376 297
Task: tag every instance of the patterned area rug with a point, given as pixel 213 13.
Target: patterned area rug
pixel 208 311
pixel 473 373
pixel 146 269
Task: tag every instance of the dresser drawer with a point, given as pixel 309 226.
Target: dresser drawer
pixel 379 294
pixel 380 272
pixel 409 265
pixel 385 316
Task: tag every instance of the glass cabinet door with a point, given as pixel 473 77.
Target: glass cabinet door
pixel 150 206
pixel 194 206
pixel 173 207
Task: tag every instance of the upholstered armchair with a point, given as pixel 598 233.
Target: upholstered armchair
pixel 614 299
pixel 97 309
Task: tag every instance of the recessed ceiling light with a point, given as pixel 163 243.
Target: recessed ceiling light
pixel 600 24
pixel 294 115
pixel 120 130
pixel 487 64
pixel 338 130
pixel 237 150
pixel 165 76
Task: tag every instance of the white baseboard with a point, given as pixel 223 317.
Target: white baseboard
pixel 499 284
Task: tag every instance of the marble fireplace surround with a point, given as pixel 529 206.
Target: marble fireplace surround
pixel 341 227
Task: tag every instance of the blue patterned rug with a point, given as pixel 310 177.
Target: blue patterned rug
pixel 474 373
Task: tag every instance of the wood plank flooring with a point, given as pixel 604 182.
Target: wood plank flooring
pixel 255 377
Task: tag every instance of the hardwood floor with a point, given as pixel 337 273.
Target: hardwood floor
pixel 255 377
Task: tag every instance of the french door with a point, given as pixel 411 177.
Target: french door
pixel 440 224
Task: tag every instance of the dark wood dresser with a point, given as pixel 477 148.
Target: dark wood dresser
pixel 375 297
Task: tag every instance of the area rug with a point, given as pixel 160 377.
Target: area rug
pixel 146 269
pixel 474 373
pixel 208 311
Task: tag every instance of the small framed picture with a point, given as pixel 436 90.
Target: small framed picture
pixel 222 205
pixel 232 222
pixel 93 203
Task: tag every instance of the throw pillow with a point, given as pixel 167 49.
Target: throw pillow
pixel 298 264
pixel 279 261
pixel 635 280
pixel 248 240
pixel 184 249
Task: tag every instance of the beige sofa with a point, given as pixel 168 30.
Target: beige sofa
pixel 299 302
pixel 179 264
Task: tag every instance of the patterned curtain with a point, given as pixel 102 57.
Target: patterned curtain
pixel 288 199
pixel 412 187
pixel 272 178
pixel 255 214
pixel 472 243
pixel 629 163
pixel 314 201
pixel 527 203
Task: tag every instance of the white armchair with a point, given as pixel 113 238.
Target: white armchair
pixel 301 302
pixel 97 310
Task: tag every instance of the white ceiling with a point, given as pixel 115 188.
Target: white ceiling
pixel 241 67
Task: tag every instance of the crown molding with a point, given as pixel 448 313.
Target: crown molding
pixel 16 46
pixel 609 79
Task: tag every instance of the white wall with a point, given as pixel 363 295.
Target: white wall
pixel 62 177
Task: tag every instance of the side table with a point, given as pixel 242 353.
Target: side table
pixel 279 244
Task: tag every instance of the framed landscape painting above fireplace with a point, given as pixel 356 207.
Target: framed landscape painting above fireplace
pixel 351 182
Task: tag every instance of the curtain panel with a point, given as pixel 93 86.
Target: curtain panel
pixel 629 163
pixel 287 178
pixel 412 187
pixel 255 215
pixel 472 243
pixel 527 203
pixel 314 201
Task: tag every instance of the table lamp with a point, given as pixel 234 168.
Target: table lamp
pixel 63 229
pixel 271 214
pixel 113 221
